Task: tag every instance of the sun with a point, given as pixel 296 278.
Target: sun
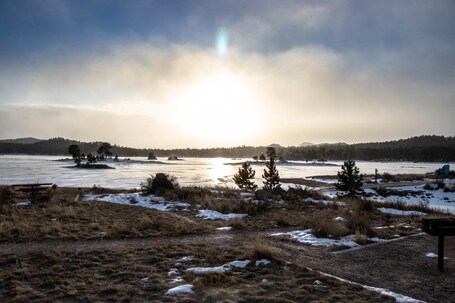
pixel 218 108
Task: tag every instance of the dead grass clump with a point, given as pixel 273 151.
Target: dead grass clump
pixel 360 222
pixel 361 238
pixel 210 279
pixel 361 205
pixel 236 223
pixel 323 226
pixel 253 207
pixel 281 218
pixel 264 251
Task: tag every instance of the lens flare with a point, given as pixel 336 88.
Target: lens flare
pixel 221 43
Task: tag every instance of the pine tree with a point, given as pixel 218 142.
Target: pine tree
pixel 244 176
pixel 271 176
pixel 349 179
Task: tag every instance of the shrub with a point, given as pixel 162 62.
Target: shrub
pixel 159 184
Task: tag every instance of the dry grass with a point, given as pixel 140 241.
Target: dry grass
pixel 141 274
pixel 323 226
pixel 88 220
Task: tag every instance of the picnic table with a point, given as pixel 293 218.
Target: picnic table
pixel 37 192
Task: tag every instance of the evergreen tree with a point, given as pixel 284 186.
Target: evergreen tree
pixel 271 176
pixel 349 179
pixel 244 176
pixel 75 152
pixel 104 149
pixel 262 157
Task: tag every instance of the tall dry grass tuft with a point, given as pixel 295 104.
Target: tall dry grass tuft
pixel 360 222
pixel 323 226
pixel 236 223
pixel 264 251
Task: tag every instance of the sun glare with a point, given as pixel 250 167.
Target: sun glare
pixel 218 108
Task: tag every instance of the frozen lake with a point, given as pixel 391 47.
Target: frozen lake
pixel 191 171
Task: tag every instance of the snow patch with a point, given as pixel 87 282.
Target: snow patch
pixel 393 211
pixel 305 236
pixel 208 214
pixel 136 199
pixel 185 259
pixel 433 255
pixel 262 262
pixel 23 203
pixel 398 298
pixel 222 268
pixel 339 219
pixel 185 288
pixel 225 228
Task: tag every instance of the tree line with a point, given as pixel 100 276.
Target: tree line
pixel 422 148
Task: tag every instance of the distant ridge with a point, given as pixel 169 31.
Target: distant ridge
pixel 27 140
pixel 416 149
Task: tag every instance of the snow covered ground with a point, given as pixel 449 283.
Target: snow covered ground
pixel 437 199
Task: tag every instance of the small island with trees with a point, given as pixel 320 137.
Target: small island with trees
pixel 103 153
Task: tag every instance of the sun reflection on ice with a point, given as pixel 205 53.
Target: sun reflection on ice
pixel 219 172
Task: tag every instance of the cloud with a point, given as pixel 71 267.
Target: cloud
pixel 306 94
pixel 305 71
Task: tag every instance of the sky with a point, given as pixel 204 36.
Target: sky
pixel 209 73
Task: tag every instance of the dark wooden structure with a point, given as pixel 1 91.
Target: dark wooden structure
pixel 439 227
pixel 37 192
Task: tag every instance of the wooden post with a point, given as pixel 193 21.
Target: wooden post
pixel 441 252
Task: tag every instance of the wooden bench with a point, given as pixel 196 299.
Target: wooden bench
pixel 439 227
pixel 37 192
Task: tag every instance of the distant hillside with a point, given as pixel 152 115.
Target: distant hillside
pixel 423 148
pixel 28 140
